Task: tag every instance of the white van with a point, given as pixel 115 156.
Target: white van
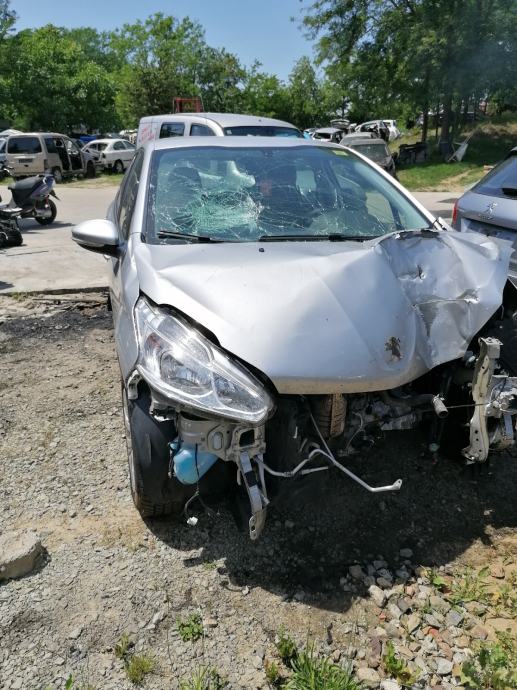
pixel 210 125
pixel 38 152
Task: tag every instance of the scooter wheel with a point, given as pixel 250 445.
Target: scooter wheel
pixel 10 238
pixel 50 219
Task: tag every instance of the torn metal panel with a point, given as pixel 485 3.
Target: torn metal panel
pixel 323 317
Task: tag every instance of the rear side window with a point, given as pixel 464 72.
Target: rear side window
pixel 501 181
pixel 118 146
pixel 24 145
pixel 172 129
pixel 201 131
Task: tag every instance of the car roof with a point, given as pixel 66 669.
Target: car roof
pixel 224 119
pixel 38 134
pixel 108 140
pixel 233 142
pixel 328 130
pixel 362 141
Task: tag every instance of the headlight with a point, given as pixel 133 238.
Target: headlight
pixel 183 365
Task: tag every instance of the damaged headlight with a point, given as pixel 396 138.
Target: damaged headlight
pixel 183 365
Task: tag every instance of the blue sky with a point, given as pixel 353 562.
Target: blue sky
pixel 252 29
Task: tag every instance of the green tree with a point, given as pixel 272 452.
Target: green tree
pixel 264 94
pixel 306 99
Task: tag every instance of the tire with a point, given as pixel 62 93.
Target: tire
pixel 90 169
pixel 58 175
pixel 10 237
pixel 154 493
pixel 118 167
pixel 48 221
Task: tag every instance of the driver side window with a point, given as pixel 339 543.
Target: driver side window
pixel 129 193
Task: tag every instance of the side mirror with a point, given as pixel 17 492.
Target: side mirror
pixel 99 236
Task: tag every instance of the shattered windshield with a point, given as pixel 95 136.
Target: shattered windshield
pixel 216 193
pixel 376 152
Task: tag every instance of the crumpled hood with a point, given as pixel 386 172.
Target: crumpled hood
pixel 329 317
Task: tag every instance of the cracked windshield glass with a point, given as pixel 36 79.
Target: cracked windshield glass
pixel 259 193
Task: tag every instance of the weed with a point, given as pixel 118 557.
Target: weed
pixel 397 667
pixel 190 629
pixel 123 647
pixel 311 672
pixel 437 580
pixel 273 676
pixel 70 684
pixel 210 565
pixel 471 587
pixel 204 679
pixel 286 648
pixel 505 600
pixel 494 666
pixel 138 666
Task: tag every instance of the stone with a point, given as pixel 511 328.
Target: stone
pixel 497 571
pixel 336 655
pixel 19 552
pixel 211 623
pixel 76 632
pixel 434 619
pixel 356 572
pixel 443 666
pixel 404 604
pixel 368 677
pixel 439 604
pixel 463 642
pixel 406 553
pixel 412 623
pixel 377 595
pixel 388 684
pixel 393 629
pixel 394 611
pixel 379 564
pixel 479 633
pixel 384 583
pixel 453 618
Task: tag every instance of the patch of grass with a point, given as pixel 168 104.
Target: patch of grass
pixel 472 586
pixel 204 679
pixel 436 580
pixel 493 667
pixel 191 628
pixel 138 667
pixel 123 647
pixel 273 675
pixel 397 667
pixel 312 672
pixel 286 647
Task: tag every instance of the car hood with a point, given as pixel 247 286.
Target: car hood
pixel 322 317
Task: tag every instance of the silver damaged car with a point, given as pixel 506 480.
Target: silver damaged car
pixel 279 305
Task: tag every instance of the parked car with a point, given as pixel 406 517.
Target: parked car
pixel 394 130
pixel 374 149
pixel 211 124
pixel 329 134
pixel 279 305
pixel 379 127
pixel 39 152
pixel 490 206
pixel 113 154
pixel 3 159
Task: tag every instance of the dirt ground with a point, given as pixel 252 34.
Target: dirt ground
pixel 106 572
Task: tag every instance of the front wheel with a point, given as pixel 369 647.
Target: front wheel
pixel 90 169
pixel 118 167
pixel 48 220
pixel 154 492
pixel 10 237
pixel 58 175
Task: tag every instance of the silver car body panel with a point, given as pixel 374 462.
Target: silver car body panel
pixel 318 317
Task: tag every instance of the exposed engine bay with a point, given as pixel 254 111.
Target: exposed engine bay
pixel 316 433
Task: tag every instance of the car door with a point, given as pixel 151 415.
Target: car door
pixel 122 278
pixel 127 152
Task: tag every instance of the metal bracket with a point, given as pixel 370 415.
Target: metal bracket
pixel 257 497
pixel 132 385
pixel 492 396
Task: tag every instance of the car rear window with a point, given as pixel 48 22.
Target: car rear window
pixel 262 131
pixel 501 181
pixel 377 152
pixel 24 145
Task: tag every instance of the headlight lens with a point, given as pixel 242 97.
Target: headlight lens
pixel 183 365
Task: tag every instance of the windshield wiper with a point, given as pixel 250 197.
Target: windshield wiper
pixel 186 236
pixel 332 237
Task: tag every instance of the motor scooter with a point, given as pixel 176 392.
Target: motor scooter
pixel 30 199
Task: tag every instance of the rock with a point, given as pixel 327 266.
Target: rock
pixel 463 642
pixel 390 685
pixel 439 604
pixel 384 583
pixel 406 553
pixel 453 618
pixel 257 662
pixel 336 655
pixel 377 595
pixel 478 633
pixel 289 524
pixel 369 677
pixel 76 632
pixel 19 552
pixel 443 666
pixel 497 571
pixel 394 611
pixel 404 604
pixel 393 629
pixel 379 564
pixel 356 572
pixel 368 581
pixel 412 622
pixel 434 619
pixel 211 623
pixel 385 573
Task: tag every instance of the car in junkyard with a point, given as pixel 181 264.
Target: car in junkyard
pixel 280 305
pixel 113 155
pixel 490 206
pixel 374 149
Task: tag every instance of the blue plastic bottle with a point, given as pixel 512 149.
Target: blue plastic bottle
pixel 190 464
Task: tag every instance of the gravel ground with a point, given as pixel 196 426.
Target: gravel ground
pixel 338 566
